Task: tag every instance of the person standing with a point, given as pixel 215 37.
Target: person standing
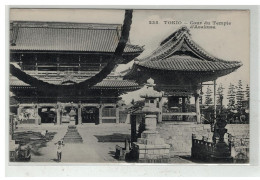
pixel 59 150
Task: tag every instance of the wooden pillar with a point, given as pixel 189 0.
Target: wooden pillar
pixel 36 114
pixel 21 62
pixel 100 62
pixel 183 109
pixel 36 64
pixel 100 114
pixel 58 111
pixel 117 115
pixel 197 106
pixel 58 64
pixel 79 115
pixel 170 102
pixel 133 128
pixel 183 104
pixel 39 117
pixel 160 110
pixel 215 105
pixel 19 109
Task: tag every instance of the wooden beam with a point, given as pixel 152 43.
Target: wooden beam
pixel 180 114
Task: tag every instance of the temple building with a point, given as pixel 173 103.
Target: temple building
pixel 64 53
pixel 179 66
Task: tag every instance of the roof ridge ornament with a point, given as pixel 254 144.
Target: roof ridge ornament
pixel 149 92
pixel 176 34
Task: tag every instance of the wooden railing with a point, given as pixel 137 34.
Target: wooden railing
pixel 201 149
pixel 177 116
pixel 109 112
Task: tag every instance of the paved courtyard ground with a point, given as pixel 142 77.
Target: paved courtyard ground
pixel 90 151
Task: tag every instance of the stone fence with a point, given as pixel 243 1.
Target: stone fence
pixel 179 136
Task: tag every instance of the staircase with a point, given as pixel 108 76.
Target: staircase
pixel 72 135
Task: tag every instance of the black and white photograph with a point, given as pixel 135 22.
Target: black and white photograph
pixel 129 86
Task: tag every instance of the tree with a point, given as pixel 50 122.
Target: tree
pixel 208 98
pixel 247 92
pixel 219 93
pixel 231 97
pixel 239 95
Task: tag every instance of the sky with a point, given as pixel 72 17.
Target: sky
pixel 229 42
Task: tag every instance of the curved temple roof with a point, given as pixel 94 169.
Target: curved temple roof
pixel 63 36
pixel 179 53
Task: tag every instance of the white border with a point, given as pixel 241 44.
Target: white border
pixel 154 169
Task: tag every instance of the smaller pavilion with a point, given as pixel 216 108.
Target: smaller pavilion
pixel 179 66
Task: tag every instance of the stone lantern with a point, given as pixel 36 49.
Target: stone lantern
pixel 222 151
pixel 150 107
pixel 151 147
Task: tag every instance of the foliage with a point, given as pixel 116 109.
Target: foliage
pixel 208 98
pixel 247 92
pixel 136 105
pixel 231 97
pixel 220 93
pixel 239 95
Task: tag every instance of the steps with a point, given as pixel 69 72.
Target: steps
pixel 72 135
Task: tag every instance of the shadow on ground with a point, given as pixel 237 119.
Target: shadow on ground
pixel 191 159
pixel 55 160
pixel 116 137
pixel 239 161
pixel 112 154
pixel 35 140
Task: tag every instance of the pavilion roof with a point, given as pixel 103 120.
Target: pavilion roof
pixel 179 52
pixel 64 36
pixel 188 63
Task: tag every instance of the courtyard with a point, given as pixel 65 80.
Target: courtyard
pixel 98 145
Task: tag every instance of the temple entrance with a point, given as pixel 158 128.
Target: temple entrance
pixel 69 115
pixel 90 115
pixel 27 115
pixel 47 114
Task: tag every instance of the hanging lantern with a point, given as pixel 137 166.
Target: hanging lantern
pixel 72 112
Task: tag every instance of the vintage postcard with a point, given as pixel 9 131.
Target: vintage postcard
pixel 129 86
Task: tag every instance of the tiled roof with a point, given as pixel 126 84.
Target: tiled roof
pixel 105 84
pixel 187 63
pixel 179 52
pixel 50 36
pixel 13 101
pixel 116 84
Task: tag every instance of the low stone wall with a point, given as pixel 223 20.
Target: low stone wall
pixel 178 135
